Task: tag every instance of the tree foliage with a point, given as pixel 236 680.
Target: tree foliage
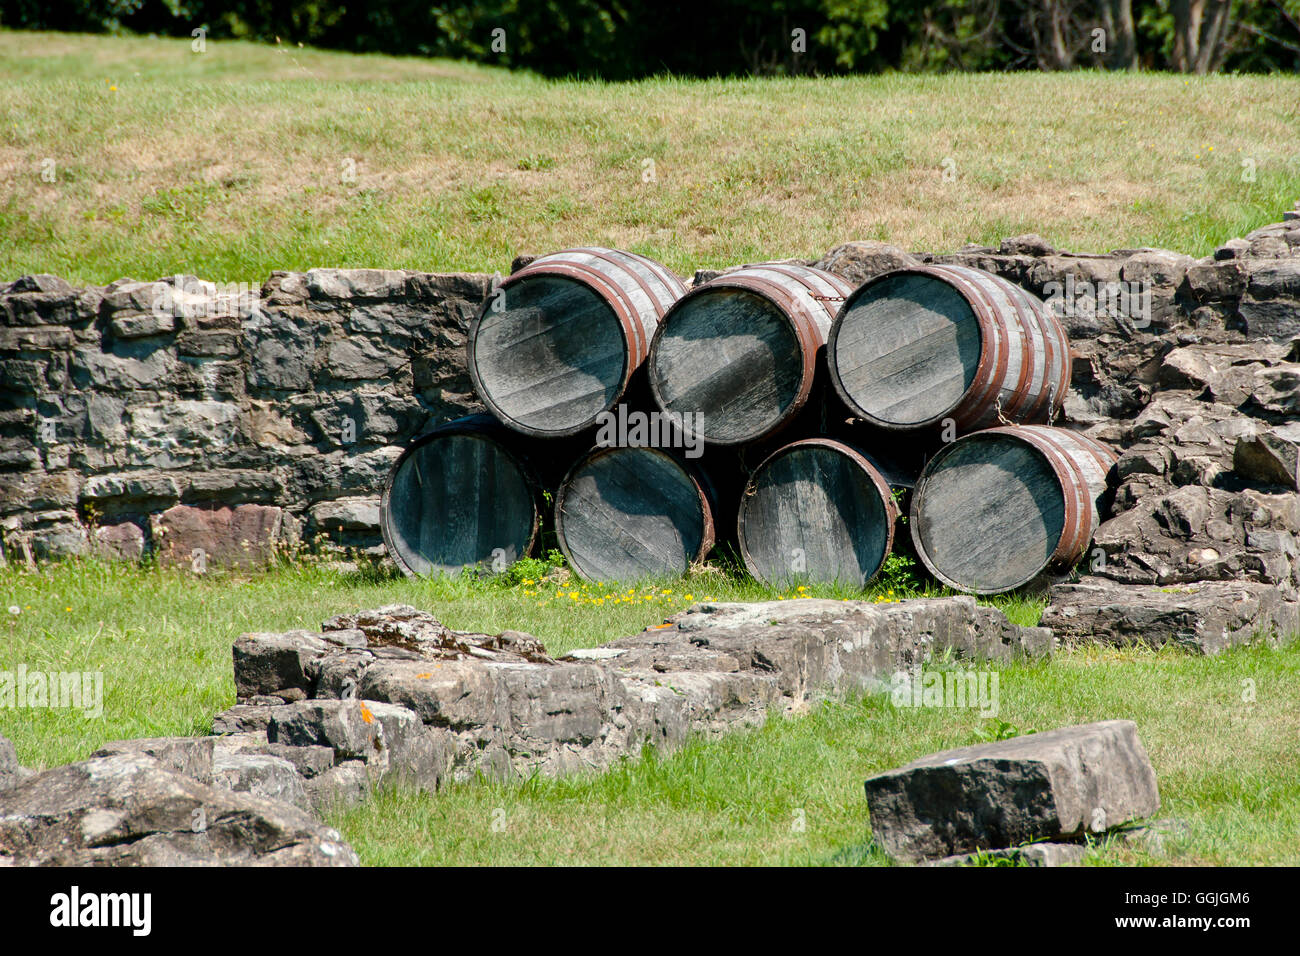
pixel 623 39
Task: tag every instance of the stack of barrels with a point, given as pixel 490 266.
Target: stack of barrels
pixel 775 409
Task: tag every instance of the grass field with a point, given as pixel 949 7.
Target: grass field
pixel 233 162
pixel 1227 766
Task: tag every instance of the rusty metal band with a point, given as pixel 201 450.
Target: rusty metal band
pixel 1045 396
pixel 628 268
pixel 1028 354
pixel 808 277
pixel 673 289
pixel 1067 368
pixel 624 308
pixel 1053 387
pixel 978 403
pixel 1103 456
pixel 1059 342
pixel 642 345
pixel 988 285
pixel 1075 489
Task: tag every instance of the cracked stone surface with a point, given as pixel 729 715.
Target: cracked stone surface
pixel 1054 786
pixel 454 705
pixel 130 810
pixel 1203 616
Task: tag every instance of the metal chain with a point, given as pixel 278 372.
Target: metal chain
pixel 1002 419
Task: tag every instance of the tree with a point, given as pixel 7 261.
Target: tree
pixel 1121 34
pixel 1267 37
pixel 1200 34
pixel 626 39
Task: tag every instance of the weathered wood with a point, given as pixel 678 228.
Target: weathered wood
pixel 742 349
pixel 624 514
pixel 459 496
pixel 900 457
pixel 913 347
pixel 997 508
pixel 816 510
pixel 556 343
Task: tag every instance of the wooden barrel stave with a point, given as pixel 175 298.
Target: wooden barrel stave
pixel 901 368
pixel 558 342
pixel 997 508
pixel 626 514
pixel 816 510
pixel 913 347
pixel 742 350
pixel 747 374
pixel 458 496
pixel 1027 389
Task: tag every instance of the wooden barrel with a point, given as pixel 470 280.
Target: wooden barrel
pixel 742 349
pixel 623 514
pixel 557 342
pixel 817 510
pixel 916 346
pixel 459 495
pixel 997 508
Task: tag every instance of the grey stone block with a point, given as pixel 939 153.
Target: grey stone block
pixel 261 774
pixel 1269 456
pixel 344 785
pixel 127 810
pixel 191 756
pixel 349 727
pixel 268 662
pixel 1204 616
pixel 245 718
pixel 1049 786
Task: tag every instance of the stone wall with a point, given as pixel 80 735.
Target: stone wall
pixel 214 422
pixel 233 427
pixel 1199 547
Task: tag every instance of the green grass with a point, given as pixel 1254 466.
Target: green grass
pixel 230 163
pixel 1227 768
pixel 162 639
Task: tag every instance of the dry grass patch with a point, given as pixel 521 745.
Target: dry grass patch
pixel 230 162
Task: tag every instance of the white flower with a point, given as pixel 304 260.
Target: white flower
pixel 14 609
